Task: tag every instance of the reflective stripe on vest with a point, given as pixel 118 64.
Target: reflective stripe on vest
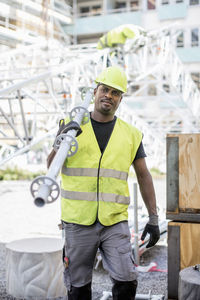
pixel 91 172
pixel 89 196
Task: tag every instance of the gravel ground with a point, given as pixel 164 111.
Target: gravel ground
pixel 20 218
pixel 156 282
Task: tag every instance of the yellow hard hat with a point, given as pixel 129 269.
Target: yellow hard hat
pixel 114 77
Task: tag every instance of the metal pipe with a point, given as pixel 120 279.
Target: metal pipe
pixel 28 147
pixel 149 297
pixel 108 295
pixel 45 188
pixel 21 84
pixel 43 76
pixel 12 125
pixel 136 245
pixel 11 111
pixel 23 116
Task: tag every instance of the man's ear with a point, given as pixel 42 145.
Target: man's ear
pixel 95 90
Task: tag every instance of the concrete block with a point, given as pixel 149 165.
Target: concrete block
pixel 34 268
pixel 189 284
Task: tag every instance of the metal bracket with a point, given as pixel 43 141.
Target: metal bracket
pixel 78 109
pixel 68 138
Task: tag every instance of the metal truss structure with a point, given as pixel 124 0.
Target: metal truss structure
pixel 41 84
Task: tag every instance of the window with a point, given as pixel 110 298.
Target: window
pixel 179 1
pixel 84 10
pixel 120 5
pixel 164 2
pixel 194 2
pixel 196 79
pixel 90 9
pixel 134 5
pixel 195 37
pixel 151 4
pixel 96 10
pixel 180 40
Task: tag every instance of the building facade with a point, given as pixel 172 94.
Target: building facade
pixel 93 18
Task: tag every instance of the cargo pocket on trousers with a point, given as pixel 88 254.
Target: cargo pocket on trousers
pixel 127 262
pixel 66 275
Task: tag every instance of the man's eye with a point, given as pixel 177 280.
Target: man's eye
pixel 115 93
pixel 105 90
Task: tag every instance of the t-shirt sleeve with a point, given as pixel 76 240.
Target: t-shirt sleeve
pixel 140 152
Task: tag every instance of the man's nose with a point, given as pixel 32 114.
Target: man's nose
pixel 108 94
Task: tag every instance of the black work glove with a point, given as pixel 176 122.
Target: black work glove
pixel 154 232
pixel 64 128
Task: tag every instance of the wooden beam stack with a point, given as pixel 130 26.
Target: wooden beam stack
pixel 183 205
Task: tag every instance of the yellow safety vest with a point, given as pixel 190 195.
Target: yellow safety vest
pixel 94 184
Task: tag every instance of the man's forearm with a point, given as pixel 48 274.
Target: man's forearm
pixel 50 158
pixel 148 193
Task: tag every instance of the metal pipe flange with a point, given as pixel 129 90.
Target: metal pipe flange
pixel 85 90
pixel 69 139
pixel 48 190
pixel 80 109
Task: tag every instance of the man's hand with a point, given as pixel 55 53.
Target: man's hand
pixel 64 128
pixel 154 232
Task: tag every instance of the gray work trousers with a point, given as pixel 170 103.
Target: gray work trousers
pixel 81 245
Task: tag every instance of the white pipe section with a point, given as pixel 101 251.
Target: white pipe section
pixel 108 295
pixel 136 245
pixel 44 189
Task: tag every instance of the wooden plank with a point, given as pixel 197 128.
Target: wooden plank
pixel 181 217
pixel 189 244
pixel 189 173
pixel 183 177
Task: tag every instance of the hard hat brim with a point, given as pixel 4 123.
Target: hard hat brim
pixel 115 86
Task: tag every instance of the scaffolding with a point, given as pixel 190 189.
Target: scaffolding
pixel 41 83
pixel 30 22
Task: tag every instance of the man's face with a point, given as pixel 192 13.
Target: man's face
pixel 107 99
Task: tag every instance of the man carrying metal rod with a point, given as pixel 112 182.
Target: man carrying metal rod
pixel 95 195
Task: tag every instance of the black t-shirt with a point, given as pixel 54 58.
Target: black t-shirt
pixel 103 132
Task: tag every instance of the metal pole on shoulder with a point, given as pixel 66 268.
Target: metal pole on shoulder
pixel 45 189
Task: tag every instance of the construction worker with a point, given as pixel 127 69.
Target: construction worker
pixel 95 196
pixel 119 35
